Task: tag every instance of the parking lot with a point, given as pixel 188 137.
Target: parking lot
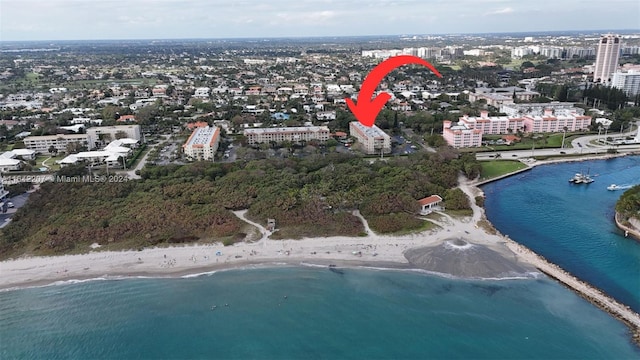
pixel 18 202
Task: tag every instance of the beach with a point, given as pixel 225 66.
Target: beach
pixel 371 250
pixel 487 254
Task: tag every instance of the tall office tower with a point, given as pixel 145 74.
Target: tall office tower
pixel 606 58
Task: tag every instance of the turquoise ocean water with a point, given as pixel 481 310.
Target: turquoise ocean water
pixel 572 225
pixel 359 314
pixel 314 313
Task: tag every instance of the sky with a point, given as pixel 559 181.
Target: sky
pixel 176 19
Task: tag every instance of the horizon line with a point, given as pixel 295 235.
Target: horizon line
pixel 333 36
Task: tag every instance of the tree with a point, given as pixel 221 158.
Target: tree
pixel 52 150
pixel 75 147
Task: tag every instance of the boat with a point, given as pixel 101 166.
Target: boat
pixel 614 187
pixel 581 178
pixel 577 178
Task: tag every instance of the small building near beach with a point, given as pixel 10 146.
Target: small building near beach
pixel 430 204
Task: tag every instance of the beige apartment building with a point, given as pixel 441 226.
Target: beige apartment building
pixel 41 144
pixel 203 143
pixel 371 139
pixel 293 134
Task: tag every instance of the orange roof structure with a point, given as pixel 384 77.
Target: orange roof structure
pixel 430 200
pixel 127 118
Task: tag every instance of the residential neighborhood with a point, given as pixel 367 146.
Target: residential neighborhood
pixel 230 103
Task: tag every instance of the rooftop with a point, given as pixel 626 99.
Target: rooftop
pixel 288 129
pixel 203 136
pixel 372 131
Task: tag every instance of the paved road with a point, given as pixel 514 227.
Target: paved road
pixel 18 201
pixel 581 145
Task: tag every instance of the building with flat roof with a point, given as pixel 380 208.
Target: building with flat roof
pixel 493 124
pixel 460 135
pixel 97 136
pixel 372 139
pixel 627 81
pixel 203 143
pixel 293 134
pixel 41 144
pixel 514 110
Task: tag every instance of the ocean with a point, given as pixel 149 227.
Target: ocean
pixel 572 225
pixel 301 312
pixel 307 313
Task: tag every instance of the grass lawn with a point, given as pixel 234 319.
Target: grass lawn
pixel 51 163
pixel 495 168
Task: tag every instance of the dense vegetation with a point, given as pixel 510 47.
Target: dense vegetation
pixel 628 205
pixel 307 197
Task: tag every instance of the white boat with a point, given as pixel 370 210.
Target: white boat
pixel 614 187
pixel 581 178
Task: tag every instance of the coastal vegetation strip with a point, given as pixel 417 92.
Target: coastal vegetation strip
pixel 628 211
pixel 310 197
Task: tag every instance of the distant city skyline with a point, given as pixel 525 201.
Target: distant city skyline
pixel 22 20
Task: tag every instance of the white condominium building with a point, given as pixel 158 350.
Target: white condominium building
pixel 372 139
pixel 293 134
pixel 628 81
pixel 41 144
pixel 203 143
pixel 100 135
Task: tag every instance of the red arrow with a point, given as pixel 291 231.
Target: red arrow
pixel 366 110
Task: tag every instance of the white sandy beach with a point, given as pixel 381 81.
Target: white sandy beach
pixel 179 260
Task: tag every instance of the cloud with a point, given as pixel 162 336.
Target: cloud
pixel 507 10
pixel 309 18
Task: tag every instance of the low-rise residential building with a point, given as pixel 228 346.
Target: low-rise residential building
pixel 460 135
pixel 293 134
pixel 372 139
pixel 112 155
pixel 9 164
pixel 514 110
pixel 24 154
pixel 467 131
pixel 3 192
pixel 493 99
pixel 550 122
pixel 493 124
pixel 99 135
pixel 41 144
pixel 203 143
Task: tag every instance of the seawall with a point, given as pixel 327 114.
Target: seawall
pixel 583 289
pixel 635 233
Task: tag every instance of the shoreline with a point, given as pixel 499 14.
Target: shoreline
pixel 635 233
pixel 371 251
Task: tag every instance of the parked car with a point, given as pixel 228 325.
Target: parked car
pixel 10 204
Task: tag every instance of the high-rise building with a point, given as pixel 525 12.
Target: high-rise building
pixel 606 58
pixel 627 81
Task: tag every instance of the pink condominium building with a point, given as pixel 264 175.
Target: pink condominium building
pixel 460 135
pixel 468 131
